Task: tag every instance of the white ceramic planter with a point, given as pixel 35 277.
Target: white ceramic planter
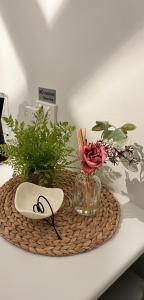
pixel 27 194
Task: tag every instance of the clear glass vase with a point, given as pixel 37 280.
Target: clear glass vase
pixel 87 194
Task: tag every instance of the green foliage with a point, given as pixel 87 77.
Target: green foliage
pixel 128 127
pixel 110 132
pixel 38 148
pixel 101 126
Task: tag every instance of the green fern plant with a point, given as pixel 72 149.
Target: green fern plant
pixel 37 148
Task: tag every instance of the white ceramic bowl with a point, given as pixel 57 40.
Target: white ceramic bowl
pixel 27 194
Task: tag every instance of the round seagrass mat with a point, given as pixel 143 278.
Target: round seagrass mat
pixel 78 233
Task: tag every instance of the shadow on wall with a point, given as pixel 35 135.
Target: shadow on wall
pixel 135 213
pixel 135 186
pixel 108 176
pixel 135 190
pixel 83 37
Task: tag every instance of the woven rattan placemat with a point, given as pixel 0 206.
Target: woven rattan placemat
pixel 78 233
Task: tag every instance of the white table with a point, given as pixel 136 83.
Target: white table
pixel 80 277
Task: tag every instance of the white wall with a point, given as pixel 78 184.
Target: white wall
pixel 91 51
pixel 13 79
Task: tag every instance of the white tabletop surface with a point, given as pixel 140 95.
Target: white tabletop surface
pixel 81 277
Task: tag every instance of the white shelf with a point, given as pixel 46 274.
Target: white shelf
pixel 79 277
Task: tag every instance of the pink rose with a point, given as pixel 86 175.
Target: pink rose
pixel 92 156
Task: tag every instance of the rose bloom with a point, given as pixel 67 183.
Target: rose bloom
pixel 92 157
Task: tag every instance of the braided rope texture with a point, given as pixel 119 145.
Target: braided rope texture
pixel 79 234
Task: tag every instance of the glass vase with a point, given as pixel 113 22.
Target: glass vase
pixel 87 194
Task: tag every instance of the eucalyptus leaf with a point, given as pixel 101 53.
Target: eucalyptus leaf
pixel 107 125
pixel 106 134
pixel 97 128
pixel 128 127
pixel 100 125
pixel 124 130
pixel 117 135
